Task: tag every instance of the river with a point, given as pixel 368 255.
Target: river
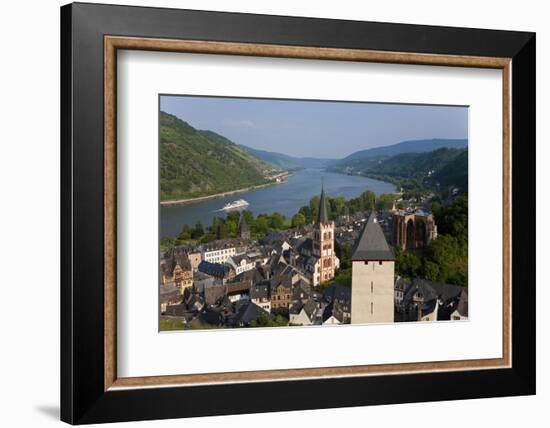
pixel 286 198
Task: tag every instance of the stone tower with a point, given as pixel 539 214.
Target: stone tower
pixel 372 276
pixel 323 243
pixel 243 229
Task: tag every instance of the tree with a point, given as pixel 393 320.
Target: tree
pixel 436 208
pixel 185 234
pixel 367 200
pixel 408 263
pixel 344 254
pixel 450 256
pixel 306 212
pixel 166 243
pixel 452 219
pixel 234 216
pixel 431 270
pixel 231 227
pixel 314 207
pixel 261 225
pixel 198 232
pixel 277 221
pixel 337 206
pixel 385 201
pixel 265 321
pixel 343 277
pixel 298 220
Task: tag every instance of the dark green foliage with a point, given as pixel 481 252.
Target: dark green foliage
pixel 343 277
pixel 344 254
pixel 408 263
pixel 385 201
pixel 265 321
pixel 415 173
pixel 453 174
pixel 298 220
pixel 411 146
pixel 452 219
pixel 277 221
pixel 166 243
pixel 338 206
pixel 198 163
pixel 446 260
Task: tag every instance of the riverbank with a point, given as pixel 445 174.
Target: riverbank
pixel 280 180
pixel 285 199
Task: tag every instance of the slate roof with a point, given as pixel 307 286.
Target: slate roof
pixel 272 238
pixel 221 244
pixel 259 291
pixel 337 292
pixel 248 312
pixel 372 244
pixel 214 269
pixel 296 307
pixel 255 275
pixel 332 310
pixel 322 216
pixel 183 260
pixel 301 290
pixel 310 307
pixel 450 296
pixel 304 245
pixel 210 317
pixel 238 258
pixel 401 283
pixel 181 249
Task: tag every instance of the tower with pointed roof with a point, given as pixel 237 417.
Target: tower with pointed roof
pixel 323 244
pixel 243 229
pixel 372 276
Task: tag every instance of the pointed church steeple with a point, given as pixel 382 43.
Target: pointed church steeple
pixel 243 229
pixel 322 216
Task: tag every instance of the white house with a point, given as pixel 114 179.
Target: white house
pixel 221 250
pixel 241 263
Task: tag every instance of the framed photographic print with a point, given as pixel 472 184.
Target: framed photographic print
pixel 266 213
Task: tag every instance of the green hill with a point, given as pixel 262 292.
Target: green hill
pixel 197 163
pixel 439 169
pixel 453 174
pixel 410 146
pixel 280 160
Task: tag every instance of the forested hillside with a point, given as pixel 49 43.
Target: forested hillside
pixel 197 163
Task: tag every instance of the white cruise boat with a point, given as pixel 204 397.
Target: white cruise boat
pixel 239 203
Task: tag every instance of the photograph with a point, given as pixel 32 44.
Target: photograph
pixel 288 213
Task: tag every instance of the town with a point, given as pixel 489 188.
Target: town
pixel 294 276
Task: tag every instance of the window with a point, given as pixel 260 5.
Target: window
pixel 371 308
pixel 371 286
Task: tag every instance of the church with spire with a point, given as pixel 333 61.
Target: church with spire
pixel 321 262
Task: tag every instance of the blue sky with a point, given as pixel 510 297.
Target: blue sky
pixel 316 128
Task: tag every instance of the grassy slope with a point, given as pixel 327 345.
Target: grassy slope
pixel 199 163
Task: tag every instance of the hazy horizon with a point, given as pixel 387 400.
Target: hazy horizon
pixel 320 129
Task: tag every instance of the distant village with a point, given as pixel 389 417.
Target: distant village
pixel 287 278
